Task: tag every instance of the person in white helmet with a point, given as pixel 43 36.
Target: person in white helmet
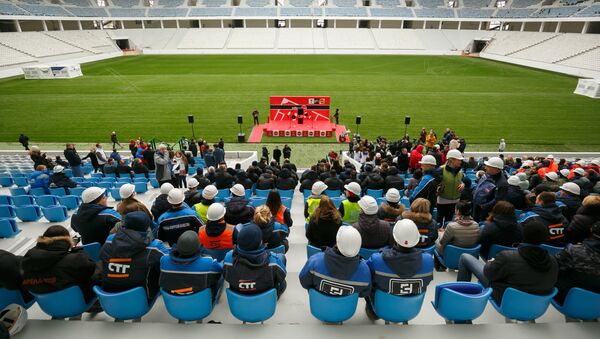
pixel 401 270
pixel 60 179
pixel 129 203
pixel 570 196
pixel 451 186
pixel 549 184
pixel 314 199
pixel 547 211
pixel 160 204
pixel 338 270
pixel 192 195
pixel 237 210
pixel 94 219
pixel 178 219
pixel 491 188
pixel 391 208
pixel 13 318
pixel 428 185
pixel 349 209
pixel 208 198
pixel 375 233
pixel 217 234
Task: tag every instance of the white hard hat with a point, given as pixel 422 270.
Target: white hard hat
pixel 210 192
pixel 565 172
pixel 579 171
pixel 596 162
pixel 13 317
pixel 514 180
pixel 126 191
pixel 91 193
pixel 406 233
pixel 527 163
pixel 318 188
pixel 175 197
pixel 368 204
pixel 392 195
pixel 348 241
pixel 215 212
pixel 428 160
pixel 571 187
pixel 580 162
pixel 551 176
pixel 166 188
pixel 550 156
pixel 455 154
pixel 524 184
pixel 58 169
pixel 495 162
pixel 192 183
pixel 238 190
pixel 353 187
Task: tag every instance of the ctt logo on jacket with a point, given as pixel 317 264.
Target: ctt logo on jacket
pixel 118 268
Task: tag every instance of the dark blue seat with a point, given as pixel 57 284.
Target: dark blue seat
pixel 580 304
pixel 397 309
pixel 262 193
pixel 460 301
pixel 115 193
pixel 337 201
pixel 518 305
pixel 222 194
pixel 127 305
pixel 286 194
pixel 375 193
pixel 287 202
pixel 452 255
pixel 67 303
pixel 332 309
pixel 46 200
pixel 252 308
pixel 495 249
pixel 58 191
pixel 6 181
pixel 191 307
pixel 28 213
pixel 17 191
pixel 21 181
pixel 154 183
pixel 77 191
pixel 141 187
pixel 8 297
pixel 57 213
pixel 22 200
pixel 37 191
pixel 257 201
pixel 6 200
pixel 333 193
pixel 7 211
pixel 71 202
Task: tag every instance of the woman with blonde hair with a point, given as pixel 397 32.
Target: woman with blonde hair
pixel 324 224
pixel 180 165
pixel 419 213
pixel 129 203
pixel 274 234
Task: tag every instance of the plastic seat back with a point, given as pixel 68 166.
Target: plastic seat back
pixel 452 255
pixel 7 211
pixel 65 303
pixel 21 181
pixel 191 307
pixel 257 201
pixel 17 191
pixel 552 250
pixel 279 249
pixel 306 193
pixel 93 250
pixel 286 194
pixel 115 193
pixel 262 193
pixel 333 193
pixel 580 304
pixel 104 184
pixel 366 253
pixel 141 187
pixel 332 309
pixel 522 306
pixel 8 228
pixel 6 200
pixel 429 249
pixel 222 194
pixel 218 255
pixel 6 181
pixel 375 193
pixel 46 200
pixel 77 191
pixel 37 191
pixel 127 305
pixel 71 202
pixel 8 297
pixel 405 201
pixel 460 301
pixel 252 308
pixel 28 213
pixel 58 191
pixel 397 309
pixel 495 249
pixel 337 201
pixel 312 250
pixel 287 202
pixel 56 213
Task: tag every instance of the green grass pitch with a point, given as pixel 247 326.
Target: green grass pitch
pixel 150 96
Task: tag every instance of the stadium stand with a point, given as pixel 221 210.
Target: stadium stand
pixel 431 3
pixel 214 3
pixel 125 3
pixel 10 9
pixel 200 39
pixel 559 12
pixel 476 3
pixel 80 3
pixel 210 11
pixel 434 13
pixel 301 38
pixel 87 12
pixel 92 41
pixel 593 10
pixel 390 39
pixel 171 3
pixel 37 44
pixel 300 3
pixel 388 3
pixel 45 10
pixel 587 60
pixel 252 38
pixel 346 11
pixel 506 43
pixel 554 50
pixel 514 13
pixel 295 11
pixel 524 3
pixel 10 56
pixel 474 13
pixel 391 12
pixel 345 3
pixel 167 12
pixel 127 12
pixel 349 39
pixel 256 11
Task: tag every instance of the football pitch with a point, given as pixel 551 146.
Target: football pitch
pixel 151 96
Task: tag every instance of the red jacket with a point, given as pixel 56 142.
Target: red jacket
pixel 415 156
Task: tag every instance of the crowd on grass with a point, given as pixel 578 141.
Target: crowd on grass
pixel 430 197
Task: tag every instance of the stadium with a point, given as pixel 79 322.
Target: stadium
pixel 358 168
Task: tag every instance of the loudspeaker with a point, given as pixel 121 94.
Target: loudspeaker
pixel 241 137
pixel 191 119
pixel 407 120
pixel 240 119
pixel 358 119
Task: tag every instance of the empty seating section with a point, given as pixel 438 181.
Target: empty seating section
pixel 392 39
pixel 346 11
pixel 257 3
pixel 392 12
pixel 434 12
pixel 10 9
pixel 474 13
pixel 344 3
pixel 80 3
pixel 45 10
pixel 431 3
pixel 524 3
pixel 204 38
pixel 514 13
pixel 252 38
pixel 571 2
pixel 268 12
pixel 93 41
pixel 300 3
pixel 9 56
pixel 214 3
pixel 554 50
pixel 593 10
pixel 87 12
pixel 210 12
pixel 349 39
pixel 506 43
pixel 476 3
pixel 37 44
pixel 171 3
pixel 293 11
pixel 554 12
pixel 301 38
pixel 167 12
pixel 125 3
pixel 388 3
pixel 586 60
pixel 127 12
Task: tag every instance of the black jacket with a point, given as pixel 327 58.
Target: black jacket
pixel 307 180
pixel 529 269
pixel 266 182
pixel 580 226
pixel 94 222
pixel 72 157
pixel 403 162
pixel 192 198
pixel 572 204
pixel 10 266
pixel 202 181
pixel 285 181
pixel 52 266
pixel 579 266
pixel 242 179
pixel 93 159
pixel 260 268
pixel 322 232
pixel 237 211
pixel 375 233
pixel 160 206
pixel 551 216
pixel 223 180
pixel 61 180
pixel 516 196
pixel 333 183
pixel 393 180
pixel 373 181
pixel 503 230
pixel 148 155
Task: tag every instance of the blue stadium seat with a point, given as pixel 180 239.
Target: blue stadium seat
pixel 46 200
pixel 6 200
pixel 286 194
pixel 580 304
pixel 115 193
pixel 381 200
pixel 154 183
pixel 17 191
pixel 6 181
pixel 218 255
pixel 77 191
pixel 93 250
pixel 127 305
pixel 124 179
pixel 252 308
pixel 257 201
pixel 452 255
pixel 8 297
pixel 141 187
pixel 191 307
pixel 405 201
pixel 140 176
pixel 37 191
pixel 67 303
pixel 337 201
pixel 333 193
pixel 104 184
pixel 21 181
pixel 495 249
pixel 521 306
pixel 71 202
pixel 306 194
pixel 366 253
pixel 397 309
pixel 330 309
pixel 143 179
pixel 222 194
pixel 56 213
pixel 29 213
pixel 552 250
pixel 279 249
pixel 375 193
pixel 8 228
pixel 58 191
pixel 262 193
pixel 429 249
pixel 312 250
pixel 7 211
pixel 97 175
pixel 22 200
pixel 460 301
pixel 110 175
pixel 287 202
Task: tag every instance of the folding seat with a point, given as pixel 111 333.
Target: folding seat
pixel 252 308
pixel 55 213
pixel 579 304
pixel 521 306
pixel 452 255
pixel 191 307
pixel 332 309
pixel 66 303
pixel 127 305
pixel 375 193
pixel 397 309
pixel 29 213
pixel 460 301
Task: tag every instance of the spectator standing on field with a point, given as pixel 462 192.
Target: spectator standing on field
pixel 114 140
pixel 277 154
pixel 93 159
pixel 502 146
pixel 255 117
pixel 287 152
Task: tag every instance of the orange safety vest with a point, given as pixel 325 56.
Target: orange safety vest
pixel 279 216
pixel 220 242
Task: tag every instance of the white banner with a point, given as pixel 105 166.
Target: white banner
pixel 52 72
pixel 589 88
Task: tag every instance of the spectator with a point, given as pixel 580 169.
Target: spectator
pixel 587 215
pixel 308 178
pixel 550 184
pixel 208 198
pixel 277 154
pixel 287 152
pixel 274 234
pixel 237 209
pixel 548 213
pixel 413 182
pixel 430 139
pixel 373 180
pixel 178 219
pixel 242 179
pixel 403 160
pixel 160 204
pixel 38 157
pixel 60 179
pixel 223 180
pixel 185 271
pixel 217 234
pixel 93 159
pixel 501 146
pixel 202 180
pixel 420 215
pixel 349 208
pixel 250 268
pixel 375 233
pixel 529 269
pixel 148 158
pixel 467 193
pixel 266 181
pixel 451 186
pixel 569 195
pixel 162 163
pixel 192 196
pixel 132 243
pixel 110 167
pixel 124 170
pixel 94 219
pixel 427 187
pixel 393 180
pixel 40 178
pixel 179 169
pixel 74 160
pixel 115 155
pixel 515 194
pixel 209 158
pixel 101 156
pixel 139 168
pixel 114 140
pixel 219 154
pixel 501 228
pixel 323 224
pixel 265 154
pixel 333 183
pixel 285 181
pixel 579 265
pixel 12 275
pixel 462 231
pixel 279 211
pixel 314 199
pixel 401 270
pixel 55 264
pixel 491 188
pixel 24 141
pixel 391 209
pixel 340 264
pixel 129 203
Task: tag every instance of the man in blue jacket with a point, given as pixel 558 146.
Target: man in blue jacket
pixel 338 271
pixel 185 271
pixel 40 178
pixel 178 219
pixel 401 270
pixel 548 212
pixel 428 185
